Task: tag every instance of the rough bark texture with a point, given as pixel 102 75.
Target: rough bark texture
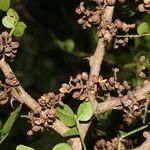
pixel 95 65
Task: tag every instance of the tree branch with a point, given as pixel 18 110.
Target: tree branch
pixel 95 66
pixel 114 102
pixel 18 92
pixel 144 146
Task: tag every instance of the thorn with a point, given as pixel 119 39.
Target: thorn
pixel 11 101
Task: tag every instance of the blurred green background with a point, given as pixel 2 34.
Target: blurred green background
pixel 54 47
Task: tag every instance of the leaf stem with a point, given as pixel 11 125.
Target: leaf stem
pixel 81 136
pixel 11 31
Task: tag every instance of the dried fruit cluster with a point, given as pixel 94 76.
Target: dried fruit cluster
pixel 100 88
pixel 4 93
pixel 8 48
pixel 106 29
pixel 113 144
pixel 79 87
pixel 44 116
pixel 104 89
pixel 145 6
pixel 144 73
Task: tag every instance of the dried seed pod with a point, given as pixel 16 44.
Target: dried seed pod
pixel 141 8
pixel 126 85
pixel 146 134
pixel 94 18
pixel 78 76
pixel 76 94
pixel 142 60
pixel 65 88
pixel 142 75
pixel 111 80
pixel 107 36
pixel 83 96
pixel 110 2
pixel 36 128
pixel 122 1
pixel 84 76
pixel 95 79
pixel 30 133
pixel 118 23
pixel 5 35
pixel 12 82
pixel 146 1
pixel 38 121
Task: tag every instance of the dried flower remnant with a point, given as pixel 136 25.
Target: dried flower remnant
pixel 106 29
pixel 145 6
pixel 4 93
pixel 113 144
pixel 46 115
pixel 79 87
pixel 144 72
pixel 8 48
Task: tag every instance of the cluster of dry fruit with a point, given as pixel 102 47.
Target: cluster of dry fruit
pixel 106 29
pixel 4 93
pixel 113 144
pixel 145 6
pixel 144 73
pixel 100 88
pixel 79 87
pixel 8 48
pixel 44 116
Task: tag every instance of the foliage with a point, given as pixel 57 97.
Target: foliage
pixel 50 38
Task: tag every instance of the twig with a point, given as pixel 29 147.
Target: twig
pixel 133 36
pixel 114 102
pixel 95 66
pixel 96 62
pixel 23 97
pixel 18 92
pixel 144 146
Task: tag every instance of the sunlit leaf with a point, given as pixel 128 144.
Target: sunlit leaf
pixel 62 146
pixel 4 4
pixel 10 122
pixel 85 111
pixel 143 28
pixel 12 13
pixel 19 29
pixel 72 132
pixel 66 115
pixel 23 147
pixel 8 22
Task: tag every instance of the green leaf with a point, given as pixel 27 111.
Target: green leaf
pixel 19 29
pixel 8 22
pixel 3 138
pixel 4 4
pixel 62 146
pixel 69 45
pixel 12 13
pixel 72 132
pixel 143 28
pixel 85 111
pixel 66 115
pixel 22 147
pixel 10 121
